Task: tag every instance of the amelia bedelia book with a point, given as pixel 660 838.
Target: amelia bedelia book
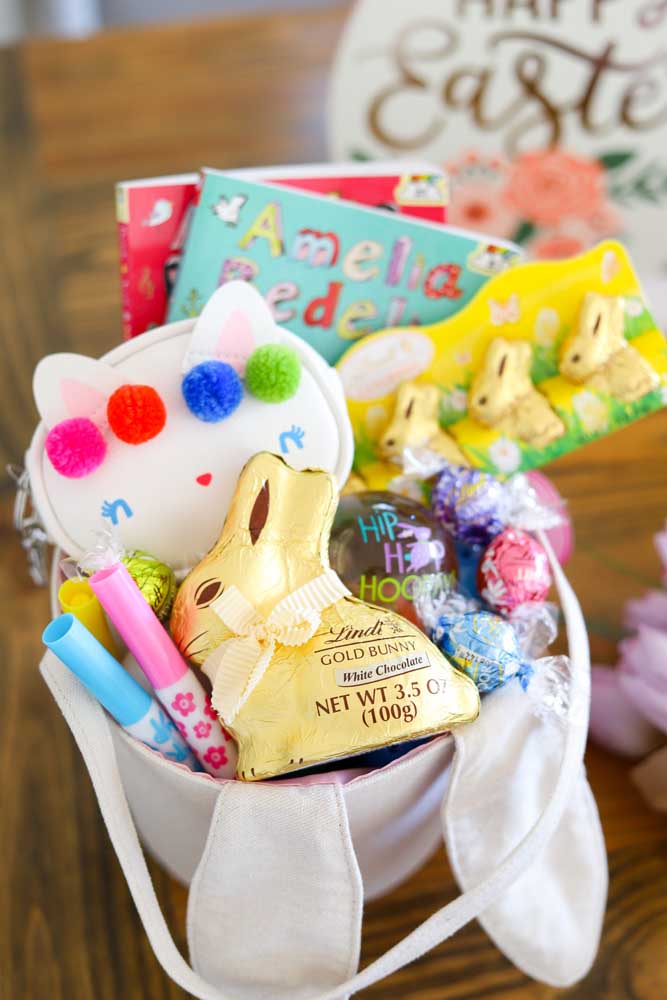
pixel 153 215
pixel 331 271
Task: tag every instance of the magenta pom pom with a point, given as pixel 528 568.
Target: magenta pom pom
pixel 75 447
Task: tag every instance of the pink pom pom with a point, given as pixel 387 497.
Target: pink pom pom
pixel 75 447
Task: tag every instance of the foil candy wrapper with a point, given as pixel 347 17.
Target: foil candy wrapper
pixel 475 506
pixel 366 677
pixel 155 580
pixel 492 649
pixel 514 570
pixel 471 504
pixel 485 647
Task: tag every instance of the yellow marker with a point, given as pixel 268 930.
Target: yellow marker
pixel 77 598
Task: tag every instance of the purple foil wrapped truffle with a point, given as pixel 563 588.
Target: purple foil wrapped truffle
pixel 470 504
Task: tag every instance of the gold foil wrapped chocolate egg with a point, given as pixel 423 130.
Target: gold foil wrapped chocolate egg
pixel 303 672
pixel 155 580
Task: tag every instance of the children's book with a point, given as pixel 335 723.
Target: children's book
pixel 152 219
pixel 331 271
pixel 153 214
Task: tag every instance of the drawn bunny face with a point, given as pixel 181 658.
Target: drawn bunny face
pixel 275 538
pixel 158 468
pixel 597 334
pixel 415 419
pixel 503 378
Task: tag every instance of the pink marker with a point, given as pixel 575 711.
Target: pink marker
pixel 175 684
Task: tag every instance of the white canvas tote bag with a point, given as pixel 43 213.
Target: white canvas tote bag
pixel 278 871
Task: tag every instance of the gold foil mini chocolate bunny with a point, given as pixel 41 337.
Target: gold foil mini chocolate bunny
pixel 302 672
pixel 415 424
pixel 502 396
pixel 596 353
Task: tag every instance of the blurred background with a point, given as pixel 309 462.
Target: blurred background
pixel 80 17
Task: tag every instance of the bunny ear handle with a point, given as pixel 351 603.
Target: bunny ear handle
pixel 546 849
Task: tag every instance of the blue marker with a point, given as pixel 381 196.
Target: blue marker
pixel 124 699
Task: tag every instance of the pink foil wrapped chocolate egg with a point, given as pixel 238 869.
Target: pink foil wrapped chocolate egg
pixel 514 570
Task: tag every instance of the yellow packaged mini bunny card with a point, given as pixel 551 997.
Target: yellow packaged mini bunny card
pixel 303 672
pixel 546 357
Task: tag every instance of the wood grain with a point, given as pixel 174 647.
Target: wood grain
pixel 75 117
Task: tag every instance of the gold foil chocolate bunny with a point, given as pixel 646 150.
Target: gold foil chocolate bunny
pixel 302 672
pixel 415 424
pixel 596 353
pixel 502 396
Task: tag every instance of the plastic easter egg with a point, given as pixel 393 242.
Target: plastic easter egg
pixel 514 570
pixel 381 543
pixel 561 536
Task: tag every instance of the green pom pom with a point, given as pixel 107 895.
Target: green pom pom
pixel 273 373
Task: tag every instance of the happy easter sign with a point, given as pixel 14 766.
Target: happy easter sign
pixel 550 115
pixel 538 304
pixel 331 271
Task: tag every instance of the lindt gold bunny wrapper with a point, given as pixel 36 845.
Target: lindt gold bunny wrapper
pixel 302 672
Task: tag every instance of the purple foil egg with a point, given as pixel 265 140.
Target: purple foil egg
pixel 470 504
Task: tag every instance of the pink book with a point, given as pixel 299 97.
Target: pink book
pixel 153 216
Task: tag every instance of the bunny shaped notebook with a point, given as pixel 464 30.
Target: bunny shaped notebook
pixel 150 439
pixel 303 672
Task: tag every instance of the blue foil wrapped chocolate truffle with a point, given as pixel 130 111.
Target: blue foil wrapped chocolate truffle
pixel 470 504
pixel 484 646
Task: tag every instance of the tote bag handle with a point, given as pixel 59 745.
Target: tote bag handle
pixel 96 746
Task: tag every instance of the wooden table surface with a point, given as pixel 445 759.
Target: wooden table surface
pixel 75 117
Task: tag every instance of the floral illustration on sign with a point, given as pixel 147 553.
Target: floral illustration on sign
pixel 478 183
pixel 556 203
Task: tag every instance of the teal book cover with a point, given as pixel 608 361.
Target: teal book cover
pixel 331 271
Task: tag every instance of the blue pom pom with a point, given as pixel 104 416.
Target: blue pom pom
pixel 212 390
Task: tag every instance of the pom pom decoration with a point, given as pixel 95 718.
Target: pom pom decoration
pixel 514 570
pixel 273 373
pixel 212 390
pixel 136 413
pixel 75 447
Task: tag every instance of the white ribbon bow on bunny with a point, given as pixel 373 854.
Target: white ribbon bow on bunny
pixel 238 664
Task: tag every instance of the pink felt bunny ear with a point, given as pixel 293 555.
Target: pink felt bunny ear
pixel 236 342
pixel 71 386
pixel 234 322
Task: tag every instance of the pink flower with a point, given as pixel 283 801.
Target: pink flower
pixel 216 757
pixel 202 729
pixel 549 185
pixel 184 703
pixel 650 609
pixel 643 673
pixel 479 206
pixel 629 704
pixel 209 710
pixel 607 221
pixel 478 182
pixel 226 734
pixel 615 722
pixel 182 728
pixel 556 245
